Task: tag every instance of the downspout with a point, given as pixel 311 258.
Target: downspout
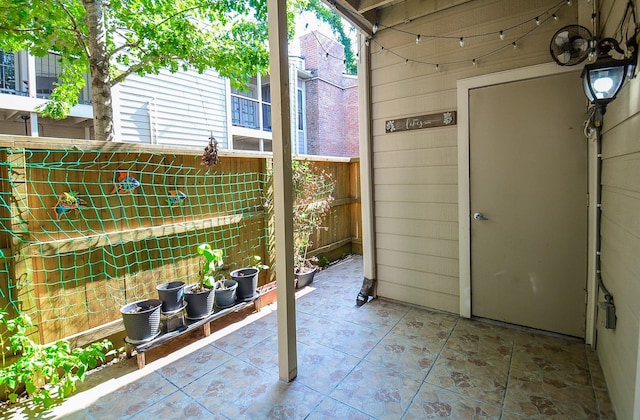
pixel 366 176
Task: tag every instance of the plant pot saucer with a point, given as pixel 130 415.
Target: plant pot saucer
pixel 198 318
pixel 255 296
pixel 135 342
pixel 226 306
pixel 169 313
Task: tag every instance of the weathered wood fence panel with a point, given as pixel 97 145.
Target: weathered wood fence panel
pixel 146 210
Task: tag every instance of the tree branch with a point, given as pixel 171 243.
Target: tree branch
pixel 76 29
pixel 149 59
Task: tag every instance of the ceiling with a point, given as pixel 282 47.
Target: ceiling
pixel 364 13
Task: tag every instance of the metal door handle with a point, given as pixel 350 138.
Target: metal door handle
pixel 478 216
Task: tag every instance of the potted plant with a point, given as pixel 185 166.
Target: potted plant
pixel 225 293
pixel 172 295
pixel 141 320
pixel 312 192
pixel 200 296
pixel 247 279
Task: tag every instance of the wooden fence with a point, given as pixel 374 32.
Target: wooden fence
pixel 146 208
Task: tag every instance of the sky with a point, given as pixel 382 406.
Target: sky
pixel 307 22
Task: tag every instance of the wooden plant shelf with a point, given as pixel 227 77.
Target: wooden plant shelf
pixel 189 326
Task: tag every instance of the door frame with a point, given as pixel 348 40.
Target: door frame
pixel 464 210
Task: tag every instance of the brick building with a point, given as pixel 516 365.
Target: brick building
pixel 331 98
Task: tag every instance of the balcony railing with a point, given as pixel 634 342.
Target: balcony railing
pixel 244 113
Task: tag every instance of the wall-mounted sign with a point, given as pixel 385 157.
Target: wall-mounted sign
pixel 423 121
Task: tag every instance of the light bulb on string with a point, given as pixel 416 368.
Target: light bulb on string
pixel 538 20
pixel 502 35
pixel 326 56
pixel 568 2
pixel 406 61
pixel 437 67
pixel 474 62
pixel 418 39
pixel 366 42
pixel 374 29
pixel 515 45
pixel 461 41
pixel 554 16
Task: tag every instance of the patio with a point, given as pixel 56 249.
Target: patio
pixel 382 360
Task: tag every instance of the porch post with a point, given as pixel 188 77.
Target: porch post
pixel 31 78
pixel 283 189
pixel 366 172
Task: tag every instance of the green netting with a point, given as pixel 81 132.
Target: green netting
pixel 93 229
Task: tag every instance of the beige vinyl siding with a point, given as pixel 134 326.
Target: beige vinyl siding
pixel 415 172
pixel 180 109
pixel 618 349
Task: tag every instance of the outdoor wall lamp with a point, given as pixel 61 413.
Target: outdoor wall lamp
pixel 603 79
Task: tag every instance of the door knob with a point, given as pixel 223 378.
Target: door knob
pixel 478 216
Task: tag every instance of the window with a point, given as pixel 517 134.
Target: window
pixel 266 107
pixel 300 113
pixel 246 105
pixel 7 72
pixel 47 70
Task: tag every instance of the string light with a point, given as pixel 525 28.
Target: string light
pixel 375 28
pixel 542 18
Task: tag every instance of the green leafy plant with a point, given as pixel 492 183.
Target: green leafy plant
pixel 46 371
pixel 256 261
pixel 211 261
pixel 312 198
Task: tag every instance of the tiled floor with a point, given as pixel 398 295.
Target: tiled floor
pixel 382 360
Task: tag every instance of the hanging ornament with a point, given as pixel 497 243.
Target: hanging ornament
pixel 210 155
pixel 176 197
pixel 124 183
pixel 68 201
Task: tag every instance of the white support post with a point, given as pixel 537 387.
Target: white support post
pixel 283 189
pixel 31 77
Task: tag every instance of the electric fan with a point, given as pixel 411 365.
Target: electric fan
pixel 570 45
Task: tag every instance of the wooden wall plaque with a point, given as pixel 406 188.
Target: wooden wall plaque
pixel 423 121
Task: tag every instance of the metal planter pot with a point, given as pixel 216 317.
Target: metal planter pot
pixel 247 279
pixel 142 319
pixel 172 295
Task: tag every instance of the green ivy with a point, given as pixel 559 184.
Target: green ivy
pixel 47 371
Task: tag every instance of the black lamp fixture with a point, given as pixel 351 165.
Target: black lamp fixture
pixel 603 79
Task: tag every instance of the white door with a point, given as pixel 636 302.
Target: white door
pixel 528 180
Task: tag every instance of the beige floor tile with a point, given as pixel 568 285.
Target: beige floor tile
pixel 435 402
pixel 377 391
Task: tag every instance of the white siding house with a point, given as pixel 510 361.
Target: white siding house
pixel 180 109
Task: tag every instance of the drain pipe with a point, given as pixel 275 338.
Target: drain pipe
pixel 608 308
